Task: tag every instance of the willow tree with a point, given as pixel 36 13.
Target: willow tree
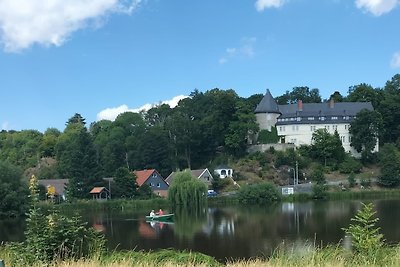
pixel 186 192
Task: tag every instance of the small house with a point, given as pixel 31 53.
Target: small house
pixel 203 175
pixel 224 171
pixel 154 180
pixel 99 193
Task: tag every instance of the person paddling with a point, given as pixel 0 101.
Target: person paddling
pixel 160 212
pixel 152 214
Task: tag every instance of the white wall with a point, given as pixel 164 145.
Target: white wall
pixel 301 134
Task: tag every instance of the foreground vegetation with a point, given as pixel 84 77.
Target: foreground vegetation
pixel 311 256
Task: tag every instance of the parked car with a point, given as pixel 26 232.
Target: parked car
pixel 211 193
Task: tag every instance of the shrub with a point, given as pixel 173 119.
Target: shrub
pixel 350 165
pixel 268 137
pixel 365 182
pixel 352 179
pixel 319 191
pixel 259 194
pixel 55 236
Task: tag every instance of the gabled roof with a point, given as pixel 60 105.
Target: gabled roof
pixel 97 190
pixel 142 176
pixel 267 104
pixel 195 173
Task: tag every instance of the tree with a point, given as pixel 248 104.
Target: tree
pixel 125 184
pixel 319 188
pixel 300 93
pixel 364 93
pixel 389 161
pixel 365 130
pixel 77 160
pixel 366 239
pixel 187 192
pixel 13 192
pixel 337 97
pixel 327 147
pixel 49 141
pixel 243 123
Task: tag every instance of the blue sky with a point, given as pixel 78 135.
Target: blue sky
pixel 102 57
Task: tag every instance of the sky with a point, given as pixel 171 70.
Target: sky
pixel 100 58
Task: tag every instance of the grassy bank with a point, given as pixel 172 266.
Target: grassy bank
pixel 331 256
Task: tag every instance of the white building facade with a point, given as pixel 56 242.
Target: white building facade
pixel 296 123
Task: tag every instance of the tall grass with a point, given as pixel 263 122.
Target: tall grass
pixel 311 256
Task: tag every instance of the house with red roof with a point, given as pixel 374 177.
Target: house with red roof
pixel 154 180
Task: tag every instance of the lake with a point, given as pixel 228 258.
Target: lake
pixel 234 232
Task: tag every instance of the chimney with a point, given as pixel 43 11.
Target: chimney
pixel 300 105
pixel 331 103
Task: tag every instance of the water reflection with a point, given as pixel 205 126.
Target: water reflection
pixel 238 232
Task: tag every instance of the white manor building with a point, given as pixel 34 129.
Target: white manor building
pixel 295 123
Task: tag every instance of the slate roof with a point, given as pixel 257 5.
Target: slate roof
pixel 344 111
pixel 267 104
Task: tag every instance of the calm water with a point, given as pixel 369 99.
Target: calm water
pixel 235 232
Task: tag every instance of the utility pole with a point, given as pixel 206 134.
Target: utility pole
pixel 297 173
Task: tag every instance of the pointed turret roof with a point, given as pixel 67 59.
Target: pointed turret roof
pixel 267 104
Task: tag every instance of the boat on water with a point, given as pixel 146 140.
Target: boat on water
pixel 161 218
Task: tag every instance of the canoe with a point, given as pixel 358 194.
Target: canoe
pixel 161 218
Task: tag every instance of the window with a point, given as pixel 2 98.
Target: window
pixel 312 128
pixel 327 127
pixel 310 118
pixel 158 185
pixel 349 139
pixel 334 118
pixel 297 127
pixel 334 127
pixel 280 128
pixel 298 119
pixel 343 139
pixel 151 184
pixel 293 128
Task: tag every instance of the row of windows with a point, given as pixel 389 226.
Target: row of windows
pixel 313 127
pixel 321 118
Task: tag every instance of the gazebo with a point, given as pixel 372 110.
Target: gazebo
pixel 99 193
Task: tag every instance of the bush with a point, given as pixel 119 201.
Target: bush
pixel 350 165
pixel 319 191
pixel 54 236
pixel 351 179
pixel 268 137
pixel 259 194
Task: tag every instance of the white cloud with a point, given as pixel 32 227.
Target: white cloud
pixel 377 7
pixel 246 50
pixel 112 113
pixel 263 4
pixel 24 23
pixel 395 62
